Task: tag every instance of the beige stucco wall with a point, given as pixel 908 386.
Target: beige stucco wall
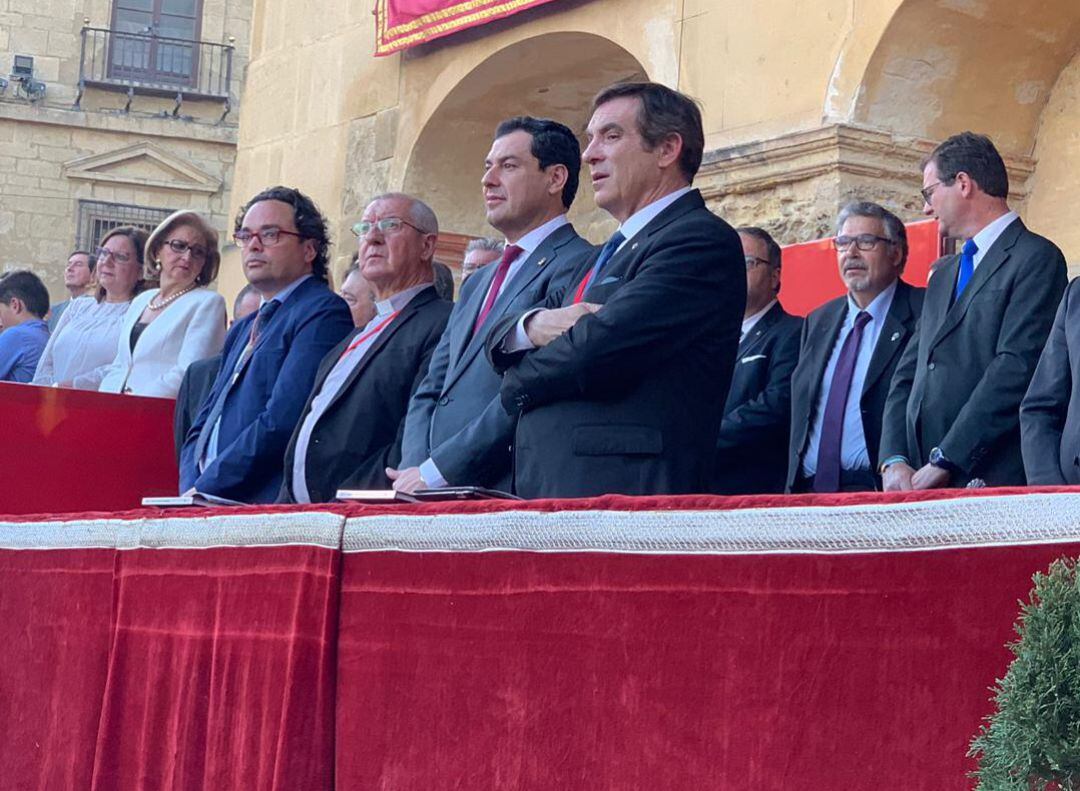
pixel 806 105
pixel 54 154
pixel 1053 208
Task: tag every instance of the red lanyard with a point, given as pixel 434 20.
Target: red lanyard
pixel 373 331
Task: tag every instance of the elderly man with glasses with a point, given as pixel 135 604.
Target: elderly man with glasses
pixel 850 350
pixel 350 429
pixel 235 447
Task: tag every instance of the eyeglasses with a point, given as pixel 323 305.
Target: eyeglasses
pixel 385 225
pixel 753 260
pixel 268 236
pixel 864 241
pixel 103 253
pixel 928 192
pixel 178 246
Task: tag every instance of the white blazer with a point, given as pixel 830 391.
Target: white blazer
pixel 191 328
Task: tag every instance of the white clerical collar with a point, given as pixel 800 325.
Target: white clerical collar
pixel 384 307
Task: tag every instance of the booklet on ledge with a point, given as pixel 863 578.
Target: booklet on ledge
pixel 198 499
pixel 423 495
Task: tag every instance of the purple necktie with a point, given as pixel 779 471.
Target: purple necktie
pixel 827 476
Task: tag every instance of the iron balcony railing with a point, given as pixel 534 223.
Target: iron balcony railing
pixel 148 63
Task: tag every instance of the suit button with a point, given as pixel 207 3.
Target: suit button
pixel 931 366
pixel 444 400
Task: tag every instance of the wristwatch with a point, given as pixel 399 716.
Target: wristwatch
pixel 937 459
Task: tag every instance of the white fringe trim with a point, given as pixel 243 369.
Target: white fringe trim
pixel 941 524
pixel 175 532
pixel 898 527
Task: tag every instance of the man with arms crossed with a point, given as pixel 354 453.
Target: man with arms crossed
pixel 457 432
pixel 618 377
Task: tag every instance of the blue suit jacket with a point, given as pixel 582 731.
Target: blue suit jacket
pixel 265 402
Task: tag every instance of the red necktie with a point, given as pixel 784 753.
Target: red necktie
pixel 509 254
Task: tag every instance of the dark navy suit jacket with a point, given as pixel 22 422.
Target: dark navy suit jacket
pixel 265 401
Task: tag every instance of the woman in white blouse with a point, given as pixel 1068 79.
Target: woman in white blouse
pixel 83 344
pixel 168 328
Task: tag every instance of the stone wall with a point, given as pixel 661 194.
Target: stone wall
pixel 67 148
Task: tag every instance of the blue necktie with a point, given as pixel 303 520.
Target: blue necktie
pixel 967 267
pixel 608 250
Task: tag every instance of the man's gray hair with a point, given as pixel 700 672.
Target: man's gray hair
pixel 484 243
pixel 894 227
pixel 420 214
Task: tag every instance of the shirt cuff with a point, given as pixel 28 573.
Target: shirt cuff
pixel 518 339
pixel 431 476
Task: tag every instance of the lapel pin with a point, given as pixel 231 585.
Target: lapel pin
pixel 541 262
pixel 633 247
pixel 895 336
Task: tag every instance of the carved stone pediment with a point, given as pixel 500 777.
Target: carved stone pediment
pixel 142 165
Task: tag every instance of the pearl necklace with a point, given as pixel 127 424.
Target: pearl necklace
pixel 164 303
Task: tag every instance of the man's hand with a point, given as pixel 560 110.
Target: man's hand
pixel 930 477
pixel 897 477
pixel 545 326
pixel 407 480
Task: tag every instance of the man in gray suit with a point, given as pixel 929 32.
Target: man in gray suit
pixel 952 416
pixel 1050 412
pixel 457 432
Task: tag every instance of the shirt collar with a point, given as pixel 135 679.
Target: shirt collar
pixel 749 322
pixel 533 238
pixel 877 309
pixel 643 216
pixel 384 307
pixel 283 295
pixel 985 238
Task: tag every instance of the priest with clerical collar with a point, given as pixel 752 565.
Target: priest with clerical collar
pixel 350 429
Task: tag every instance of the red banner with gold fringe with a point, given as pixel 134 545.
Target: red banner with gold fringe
pixel 400 24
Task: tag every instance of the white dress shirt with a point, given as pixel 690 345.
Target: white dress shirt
pixel 985 238
pixel 749 322
pixel 853 452
pixel 336 379
pixel 212 444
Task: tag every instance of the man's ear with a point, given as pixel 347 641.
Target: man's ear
pixel 557 177
pixel 310 251
pixel 16 305
pixel 430 242
pixel 670 149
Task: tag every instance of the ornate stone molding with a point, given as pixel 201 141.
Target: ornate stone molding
pixel 171 172
pixel 834 150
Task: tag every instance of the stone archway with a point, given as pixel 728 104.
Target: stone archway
pixel 943 66
pixel 553 75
